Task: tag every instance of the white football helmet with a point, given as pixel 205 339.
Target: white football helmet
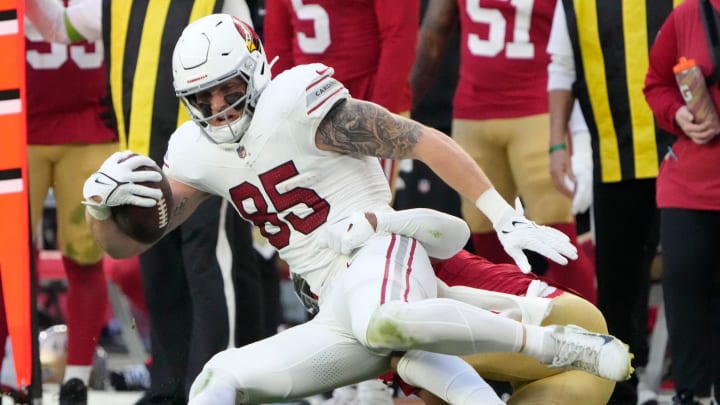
pixel 210 51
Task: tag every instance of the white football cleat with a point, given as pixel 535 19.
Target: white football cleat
pixel 602 355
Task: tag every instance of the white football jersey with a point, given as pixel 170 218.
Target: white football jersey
pixel 278 179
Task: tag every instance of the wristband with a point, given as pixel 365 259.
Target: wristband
pixel 492 205
pixel 381 220
pixel 556 147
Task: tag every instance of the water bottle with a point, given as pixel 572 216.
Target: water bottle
pixel 691 83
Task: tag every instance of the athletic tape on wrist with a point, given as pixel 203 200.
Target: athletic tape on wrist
pixel 492 205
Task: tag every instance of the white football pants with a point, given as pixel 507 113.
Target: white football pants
pixel 384 301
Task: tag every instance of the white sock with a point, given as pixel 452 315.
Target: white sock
pixel 80 372
pixel 539 344
pixel 449 377
pixel 444 326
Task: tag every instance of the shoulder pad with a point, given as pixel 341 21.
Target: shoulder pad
pixel 311 83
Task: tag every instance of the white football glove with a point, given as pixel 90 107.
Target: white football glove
pixel 582 167
pixel 115 183
pixel 516 232
pixel 347 234
pixel 581 162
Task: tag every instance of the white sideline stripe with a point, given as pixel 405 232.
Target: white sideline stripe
pixel 10 106
pixel 11 186
pixel 9 27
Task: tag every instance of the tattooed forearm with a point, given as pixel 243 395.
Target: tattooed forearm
pixel 179 209
pixel 360 128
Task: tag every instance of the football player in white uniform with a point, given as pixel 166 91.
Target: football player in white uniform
pixel 294 155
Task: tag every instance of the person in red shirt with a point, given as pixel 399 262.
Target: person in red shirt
pixel 500 114
pixel 688 196
pixel 67 139
pixel 369 43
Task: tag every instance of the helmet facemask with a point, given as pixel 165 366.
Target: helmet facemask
pixel 231 130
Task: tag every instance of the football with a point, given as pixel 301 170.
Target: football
pixel 146 224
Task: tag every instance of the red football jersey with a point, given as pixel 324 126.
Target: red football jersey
pixel 469 270
pixel 369 43
pixel 65 84
pixel 503 58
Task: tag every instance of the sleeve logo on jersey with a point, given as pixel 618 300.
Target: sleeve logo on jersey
pixel 321 91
